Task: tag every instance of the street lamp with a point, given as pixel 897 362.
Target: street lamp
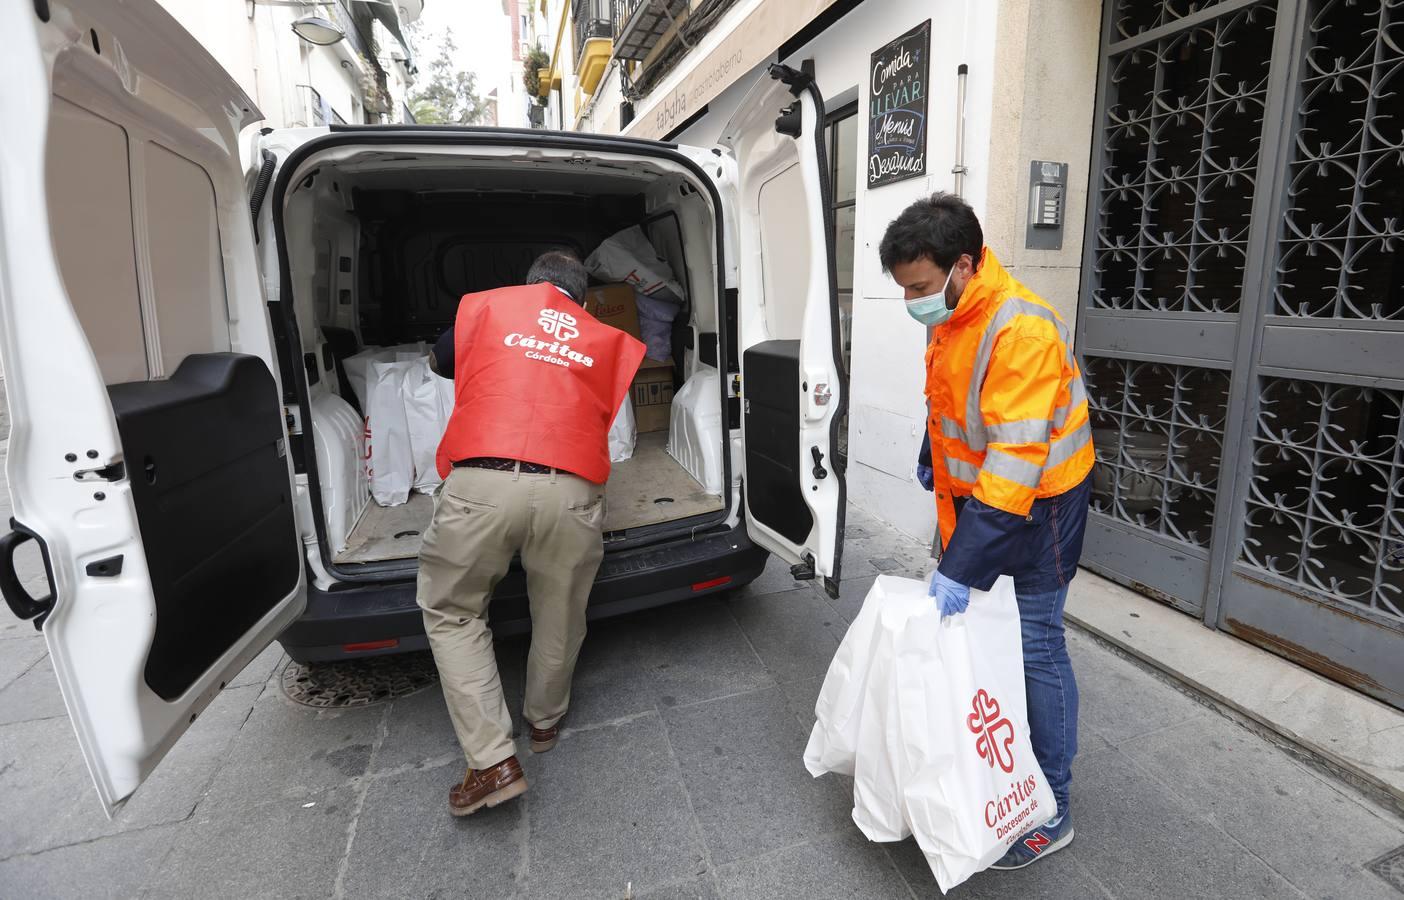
pixel 317 30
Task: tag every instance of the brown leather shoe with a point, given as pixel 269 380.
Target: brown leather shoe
pixel 487 787
pixel 543 739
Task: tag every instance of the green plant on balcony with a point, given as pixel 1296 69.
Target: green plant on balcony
pixel 374 95
pixel 535 61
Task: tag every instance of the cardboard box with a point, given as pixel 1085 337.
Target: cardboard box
pixel 653 398
pixel 652 390
pixel 613 304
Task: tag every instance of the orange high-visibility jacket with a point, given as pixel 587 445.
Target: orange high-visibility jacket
pixel 1008 408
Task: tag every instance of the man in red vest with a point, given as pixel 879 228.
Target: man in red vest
pixel 537 382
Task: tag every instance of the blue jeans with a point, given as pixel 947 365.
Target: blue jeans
pixel 1050 688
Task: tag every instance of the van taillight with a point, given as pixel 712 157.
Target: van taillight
pixel 389 644
pixel 714 583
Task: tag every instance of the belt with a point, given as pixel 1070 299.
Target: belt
pixel 502 464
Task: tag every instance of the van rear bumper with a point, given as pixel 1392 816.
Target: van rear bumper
pixel 369 617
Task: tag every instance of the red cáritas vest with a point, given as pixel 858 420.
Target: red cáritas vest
pixel 536 379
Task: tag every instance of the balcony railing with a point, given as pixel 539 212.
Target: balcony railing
pixel 315 109
pixel 355 19
pixel 593 19
pixel 640 24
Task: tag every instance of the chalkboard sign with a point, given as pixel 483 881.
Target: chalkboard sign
pixel 897 108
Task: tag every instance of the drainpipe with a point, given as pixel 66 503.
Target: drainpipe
pixel 960 169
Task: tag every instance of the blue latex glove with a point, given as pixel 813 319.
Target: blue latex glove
pixel 951 596
pixel 924 477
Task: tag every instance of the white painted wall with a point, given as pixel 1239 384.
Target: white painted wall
pixel 337 84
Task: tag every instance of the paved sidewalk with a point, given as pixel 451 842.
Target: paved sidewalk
pixel 679 773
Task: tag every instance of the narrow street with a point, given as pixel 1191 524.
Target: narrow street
pixel 679 773
pixel 318 315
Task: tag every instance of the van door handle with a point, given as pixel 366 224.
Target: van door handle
pixel 16 597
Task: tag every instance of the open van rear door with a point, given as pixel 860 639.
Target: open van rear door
pixel 147 456
pixel 793 385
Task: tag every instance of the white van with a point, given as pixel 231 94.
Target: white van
pixel 184 450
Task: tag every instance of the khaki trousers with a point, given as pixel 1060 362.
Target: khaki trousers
pixel 481 519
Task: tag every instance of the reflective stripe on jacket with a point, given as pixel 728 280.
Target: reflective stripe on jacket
pixel 1008 408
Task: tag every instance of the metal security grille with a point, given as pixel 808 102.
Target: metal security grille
pixel 1159 437
pixel 1242 327
pixel 1326 500
pixel 1135 17
pixel 1344 214
pixel 1184 128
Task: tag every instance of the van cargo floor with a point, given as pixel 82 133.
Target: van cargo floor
pixel 650 487
pixel 647 489
pixel 389 532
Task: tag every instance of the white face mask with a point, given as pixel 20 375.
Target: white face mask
pixel 932 309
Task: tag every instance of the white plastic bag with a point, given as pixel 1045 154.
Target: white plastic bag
pixel 358 366
pixel 389 458
pixel 628 256
pixel 695 429
pixel 929 716
pixel 623 431
pixel 428 403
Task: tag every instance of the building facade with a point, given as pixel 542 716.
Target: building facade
pixel 1211 195
pixel 362 78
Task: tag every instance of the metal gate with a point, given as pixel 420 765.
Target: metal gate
pixel 1242 322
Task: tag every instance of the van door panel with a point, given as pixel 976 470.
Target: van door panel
pixel 182 237
pixel 145 457
pixel 793 382
pixel 206 454
pixel 776 494
pixel 87 180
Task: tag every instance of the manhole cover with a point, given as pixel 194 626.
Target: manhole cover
pixel 1390 867
pixel 359 682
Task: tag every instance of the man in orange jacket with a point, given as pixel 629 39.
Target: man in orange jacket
pixel 1008 453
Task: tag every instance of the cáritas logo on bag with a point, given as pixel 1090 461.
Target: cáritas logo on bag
pixel 994 741
pixel 561 326
pixel 994 734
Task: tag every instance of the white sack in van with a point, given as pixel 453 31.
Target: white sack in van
pixel 428 403
pixel 389 458
pixel 695 429
pixel 623 431
pixel 358 366
pixel 629 257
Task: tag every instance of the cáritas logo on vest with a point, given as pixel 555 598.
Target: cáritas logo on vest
pixel 559 324
pixel 558 352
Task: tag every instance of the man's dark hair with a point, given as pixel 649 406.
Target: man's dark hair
pixel 940 228
pixel 563 269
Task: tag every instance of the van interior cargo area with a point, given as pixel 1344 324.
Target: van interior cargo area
pixel 649 489
pixel 381 247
